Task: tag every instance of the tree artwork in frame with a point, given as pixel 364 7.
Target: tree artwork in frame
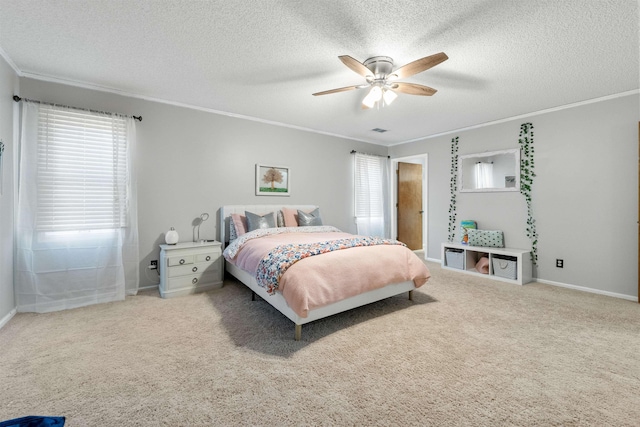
pixel 272 180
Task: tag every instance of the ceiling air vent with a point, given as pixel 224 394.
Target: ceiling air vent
pixel 379 130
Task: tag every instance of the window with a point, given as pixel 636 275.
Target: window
pixel 81 170
pixel 76 218
pixel 370 180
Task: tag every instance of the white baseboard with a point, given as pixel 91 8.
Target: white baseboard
pixel 590 290
pixel 8 317
pixel 574 287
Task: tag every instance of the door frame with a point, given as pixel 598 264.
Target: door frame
pixel 393 191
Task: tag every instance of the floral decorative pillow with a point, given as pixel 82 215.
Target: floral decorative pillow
pixel 233 234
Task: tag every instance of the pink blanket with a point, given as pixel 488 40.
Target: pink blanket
pixel 330 277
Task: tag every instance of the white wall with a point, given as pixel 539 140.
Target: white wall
pixel 585 195
pixel 193 161
pixel 8 84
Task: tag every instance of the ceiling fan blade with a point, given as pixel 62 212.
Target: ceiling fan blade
pixel 413 89
pixel 341 89
pixel 355 65
pixel 418 66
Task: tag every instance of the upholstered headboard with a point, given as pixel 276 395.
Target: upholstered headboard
pixel 226 211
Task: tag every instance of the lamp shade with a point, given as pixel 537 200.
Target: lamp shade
pixel 171 236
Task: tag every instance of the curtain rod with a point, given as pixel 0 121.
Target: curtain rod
pixel 368 154
pixel 18 99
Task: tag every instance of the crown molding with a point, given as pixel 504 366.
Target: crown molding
pixel 92 86
pixel 9 61
pixel 524 116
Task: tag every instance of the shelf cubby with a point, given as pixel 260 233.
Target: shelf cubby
pixel 471 255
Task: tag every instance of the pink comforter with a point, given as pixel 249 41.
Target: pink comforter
pixel 320 280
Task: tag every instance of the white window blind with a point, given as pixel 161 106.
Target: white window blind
pixel 369 196
pixel 82 170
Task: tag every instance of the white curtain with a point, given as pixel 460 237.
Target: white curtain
pixel 484 175
pixel 371 195
pixel 76 226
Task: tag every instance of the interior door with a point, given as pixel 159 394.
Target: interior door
pixel 410 205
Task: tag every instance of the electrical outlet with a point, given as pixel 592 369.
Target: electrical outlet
pixel 153 264
pixel 559 263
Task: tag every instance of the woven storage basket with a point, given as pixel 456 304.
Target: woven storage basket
pixel 506 267
pixel 455 258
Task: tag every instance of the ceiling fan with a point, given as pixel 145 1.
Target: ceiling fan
pixel 378 71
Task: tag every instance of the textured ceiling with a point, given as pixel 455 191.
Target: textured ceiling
pixel 264 59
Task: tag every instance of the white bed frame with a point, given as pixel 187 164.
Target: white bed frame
pixel 278 300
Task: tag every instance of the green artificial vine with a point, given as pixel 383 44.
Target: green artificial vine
pixel 527 174
pixel 453 185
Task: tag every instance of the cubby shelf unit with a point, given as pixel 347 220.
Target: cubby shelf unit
pixel 471 255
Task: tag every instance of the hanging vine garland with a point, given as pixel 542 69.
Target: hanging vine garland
pixel 453 185
pixel 527 174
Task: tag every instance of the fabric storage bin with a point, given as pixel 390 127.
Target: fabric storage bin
pixel 455 258
pixel 505 266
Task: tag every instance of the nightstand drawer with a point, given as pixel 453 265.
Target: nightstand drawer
pixel 209 256
pixel 180 260
pixel 191 281
pixel 199 268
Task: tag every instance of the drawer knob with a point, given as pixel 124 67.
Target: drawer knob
pixel 195 280
pixel 194 269
pixel 182 261
pixel 208 258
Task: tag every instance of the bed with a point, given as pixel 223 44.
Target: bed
pixel 341 271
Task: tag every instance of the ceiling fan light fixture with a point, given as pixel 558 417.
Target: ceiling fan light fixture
pixel 381 77
pixel 389 96
pixel 374 95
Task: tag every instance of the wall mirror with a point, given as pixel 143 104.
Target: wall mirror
pixel 490 171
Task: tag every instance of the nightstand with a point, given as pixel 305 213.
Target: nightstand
pixel 186 268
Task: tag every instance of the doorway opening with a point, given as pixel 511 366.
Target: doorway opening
pixel 397 203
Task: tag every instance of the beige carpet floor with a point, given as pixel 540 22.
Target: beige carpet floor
pixel 466 352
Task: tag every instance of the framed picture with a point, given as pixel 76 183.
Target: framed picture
pixel 510 181
pixel 272 180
